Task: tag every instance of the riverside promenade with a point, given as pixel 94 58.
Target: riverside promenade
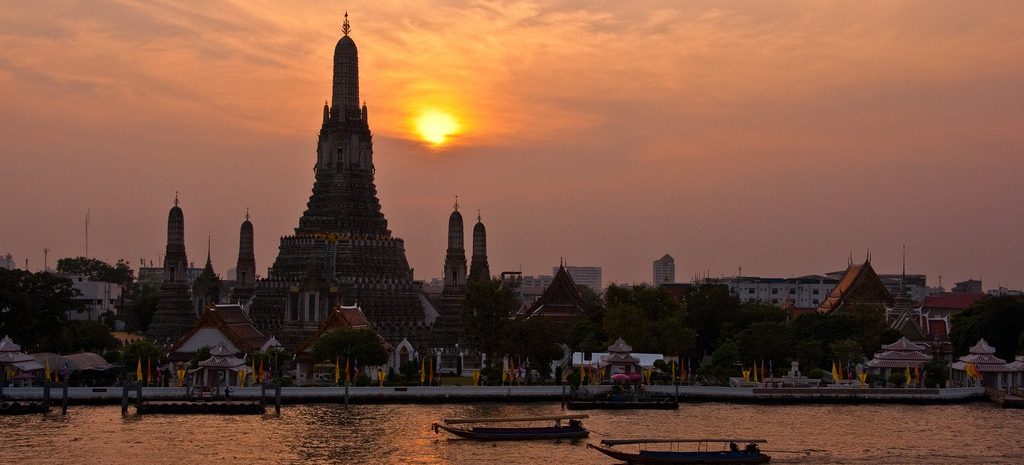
pixel 519 394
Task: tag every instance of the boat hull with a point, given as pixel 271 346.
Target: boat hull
pixel 653 458
pixel 516 434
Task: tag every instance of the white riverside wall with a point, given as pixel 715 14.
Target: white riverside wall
pixel 414 394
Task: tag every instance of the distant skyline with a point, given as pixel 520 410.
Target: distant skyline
pixel 774 136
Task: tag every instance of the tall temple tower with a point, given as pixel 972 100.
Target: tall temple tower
pixel 478 269
pixel 455 257
pixel 174 315
pixel 342 251
pixel 448 329
pixel 245 269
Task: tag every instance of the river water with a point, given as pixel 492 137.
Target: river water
pixel 400 434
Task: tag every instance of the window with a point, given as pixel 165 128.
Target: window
pixel 293 307
pixel 814 291
pixel 775 290
pixel 311 306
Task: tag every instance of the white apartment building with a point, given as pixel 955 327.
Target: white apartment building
pixel 99 298
pixel 589 276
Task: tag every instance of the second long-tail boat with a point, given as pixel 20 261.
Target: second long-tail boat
pixel 573 429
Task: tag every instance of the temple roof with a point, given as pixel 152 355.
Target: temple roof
pixel 560 301
pixel 221 357
pixel 904 344
pixel 340 317
pixel 952 300
pixel 982 347
pixel 859 284
pixel 620 346
pixel 11 352
pixel 233 322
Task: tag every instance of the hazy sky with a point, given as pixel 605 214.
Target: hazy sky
pixel 777 136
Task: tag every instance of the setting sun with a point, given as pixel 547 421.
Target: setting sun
pixel 435 126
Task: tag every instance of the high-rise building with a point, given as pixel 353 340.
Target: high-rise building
pixel 664 270
pixel 971 286
pixel 342 252
pixel 589 276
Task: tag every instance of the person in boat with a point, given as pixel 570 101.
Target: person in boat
pixel 733 447
pixel 752 449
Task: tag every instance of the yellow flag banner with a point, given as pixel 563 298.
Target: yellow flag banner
pixel 835 373
pixel 908 376
pixel 241 377
pixel 46 370
pixel 337 371
pixel 746 375
pixel 423 371
pixel 138 371
pixel 476 377
pixel 181 376
pixel 380 377
pixel 863 378
pixel 348 370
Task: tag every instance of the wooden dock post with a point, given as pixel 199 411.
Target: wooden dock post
pixel 277 398
pixel 46 394
pixel 346 394
pixel 563 397
pixel 64 401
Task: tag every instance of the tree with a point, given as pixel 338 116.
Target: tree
pixel 140 351
pixel 92 336
pixel 648 318
pixel 725 362
pixel 712 310
pixel 362 345
pixel 486 313
pixel 535 340
pixel 847 350
pixel 33 310
pixel 999 320
pixel 766 340
pixel 139 313
pixel 97 270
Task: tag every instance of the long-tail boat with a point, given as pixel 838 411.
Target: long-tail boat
pixel 572 430
pixel 731 453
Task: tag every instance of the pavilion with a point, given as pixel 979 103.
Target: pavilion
pixel 985 367
pixel 15 365
pixel 900 356
pixel 221 369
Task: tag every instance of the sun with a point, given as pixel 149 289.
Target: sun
pixel 436 126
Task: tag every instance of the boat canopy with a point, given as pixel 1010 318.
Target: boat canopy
pixel 618 442
pixel 453 421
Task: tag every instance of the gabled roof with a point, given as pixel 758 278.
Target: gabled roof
pixel 341 317
pixel 560 301
pixel 11 352
pixel 903 344
pixel 860 284
pixel 233 322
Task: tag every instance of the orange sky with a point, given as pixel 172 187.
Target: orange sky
pixel 776 136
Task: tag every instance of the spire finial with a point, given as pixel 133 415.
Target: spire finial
pixel 456 203
pixel 246 213
pixel 904 261
pixel 346 27
pixel 209 242
pixel 175 198
pixel 479 218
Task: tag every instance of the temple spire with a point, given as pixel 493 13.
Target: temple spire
pixel 209 243
pixel 175 198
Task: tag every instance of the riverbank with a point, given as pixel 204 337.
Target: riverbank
pixel 523 394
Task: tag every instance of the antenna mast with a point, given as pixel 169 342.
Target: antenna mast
pixel 87 233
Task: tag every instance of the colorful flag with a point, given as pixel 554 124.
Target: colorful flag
pixel 672 369
pixel 476 377
pixel 682 371
pixel 46 370
pixel 348 371
pixel 762 370
pixel 423 372
pixel 149 370
pixel 864 378
pixel 138 371
pixel 908 375
pixel 835 373
pixel 259 376
pixel 431 375
pixel 337 371
pixel 746 375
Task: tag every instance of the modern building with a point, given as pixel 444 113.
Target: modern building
pixel 803 292
pixel 98 298
pixel 664 270
pixel 589 276
pixel 342 252
pixel 971 286
pixel 7 262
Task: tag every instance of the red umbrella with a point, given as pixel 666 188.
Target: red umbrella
pixel 620 377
